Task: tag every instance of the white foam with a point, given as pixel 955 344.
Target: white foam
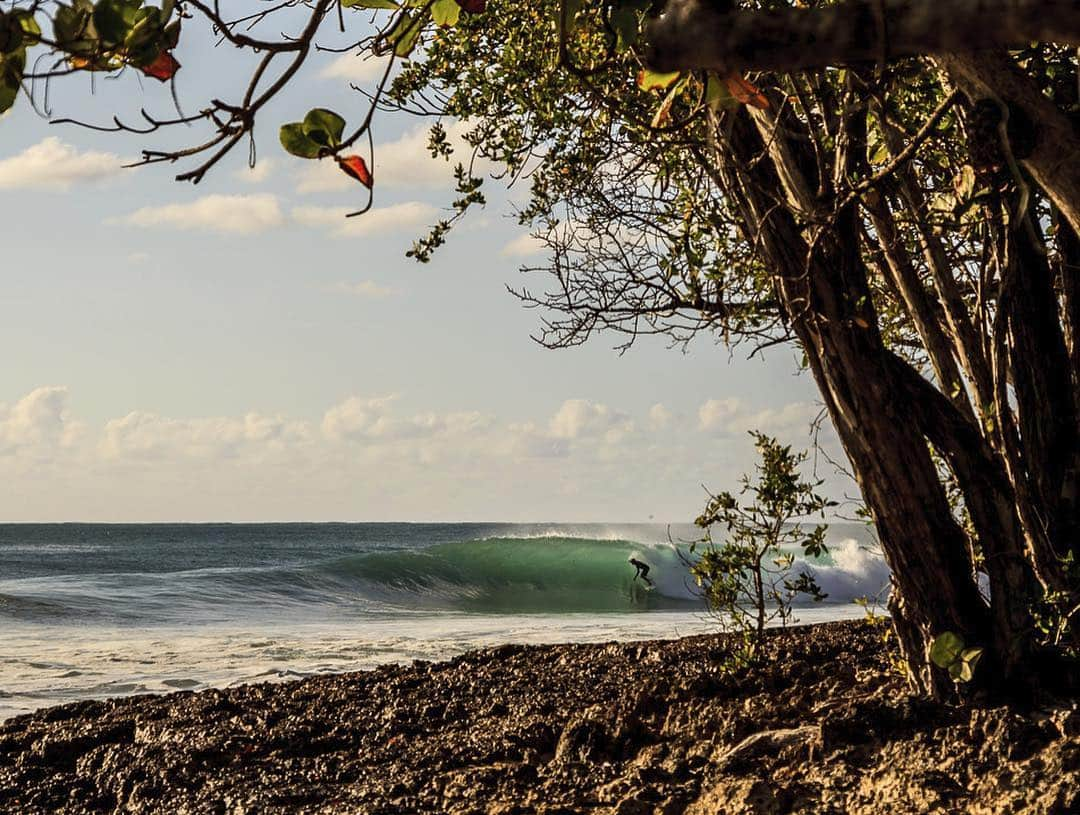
pixel 857 570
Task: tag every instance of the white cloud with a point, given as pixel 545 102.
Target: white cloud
pixel 227 214
pixel 53 165
pixel 367 289
pixel 659 416
pixel 790 422
pixel 526 440
pixel 356 68
pixel 394 218
pixel 523 246
pixel 138 257
pixel 39 420
pixel 365 457
pixel 716 414
pixel 403 162
pixel 141 434
pixel 360 419
pixel 579 418
pixel 257 174
pixel 323 176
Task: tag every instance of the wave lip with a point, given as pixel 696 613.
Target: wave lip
pixel 536 574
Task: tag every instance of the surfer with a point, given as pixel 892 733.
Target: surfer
pixel 642 570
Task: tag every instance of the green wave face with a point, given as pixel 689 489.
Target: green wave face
pixel 503 575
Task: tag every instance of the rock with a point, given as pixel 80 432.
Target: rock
pixel 764 743
pixel 743 796
pixel 582 740
pixel 642 727
pixel 632 806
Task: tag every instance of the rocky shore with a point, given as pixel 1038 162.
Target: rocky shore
pixel 652 727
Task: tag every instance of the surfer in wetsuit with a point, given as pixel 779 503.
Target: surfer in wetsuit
pixel 642 570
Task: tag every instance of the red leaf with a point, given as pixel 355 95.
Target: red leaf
pixel 163 68
pixel 357 168
pixel 473 6
pixel 745 92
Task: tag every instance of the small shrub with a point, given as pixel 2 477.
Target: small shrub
pixel 747 576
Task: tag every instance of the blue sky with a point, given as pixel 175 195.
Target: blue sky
pixel 235 350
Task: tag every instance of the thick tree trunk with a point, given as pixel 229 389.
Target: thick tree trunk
pixel 1069 286
pixel 824 291
pixel 1043 389
pixel 991 503
pixel 704 34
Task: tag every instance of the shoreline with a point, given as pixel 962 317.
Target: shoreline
pixel 623 727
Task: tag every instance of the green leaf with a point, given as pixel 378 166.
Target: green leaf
pixel 387 4
pixel 655 80
pixel 323 127
pixel 572 9
pixel 12 65
pixel 144 34
pixel 624 22
pixel 29 25
pixel 406 32
pixel 172 35
pixel 717 95
pixel 8 95
pixel 879 152
pixel 946 649
pixel 295 141
pixel 961 671
pixel 113 19
pixel 663 113
pixel 971 656
pixel 69 26
pixel 445 13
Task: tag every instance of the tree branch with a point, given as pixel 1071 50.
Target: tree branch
pixel 700 34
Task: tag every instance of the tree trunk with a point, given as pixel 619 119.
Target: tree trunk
pixel 1043 388
pixel 1053 163
pixel 824 290
pixel 991 503
pixel 712 35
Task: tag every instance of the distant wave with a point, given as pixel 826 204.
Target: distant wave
pixel 538 573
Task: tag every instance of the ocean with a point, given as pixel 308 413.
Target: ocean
pixel 91 611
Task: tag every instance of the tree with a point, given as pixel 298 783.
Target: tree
pixel 909 221
pixel 746 575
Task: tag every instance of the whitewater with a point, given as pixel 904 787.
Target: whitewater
pixel 102 610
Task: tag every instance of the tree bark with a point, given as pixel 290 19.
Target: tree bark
pixel 991 503
pixel 823 287
pixel 1053 164
pixel 1043 388
pixel 918 304
pixel 692 34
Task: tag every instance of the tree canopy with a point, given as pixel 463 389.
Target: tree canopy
pixel 891 186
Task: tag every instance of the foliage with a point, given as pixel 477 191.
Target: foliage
pixel 320 135
pixel 949 651
pixel 747 575
pixel 1057 613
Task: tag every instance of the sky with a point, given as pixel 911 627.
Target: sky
pixel 237 351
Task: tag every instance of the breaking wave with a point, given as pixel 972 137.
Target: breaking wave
pixel 495 575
